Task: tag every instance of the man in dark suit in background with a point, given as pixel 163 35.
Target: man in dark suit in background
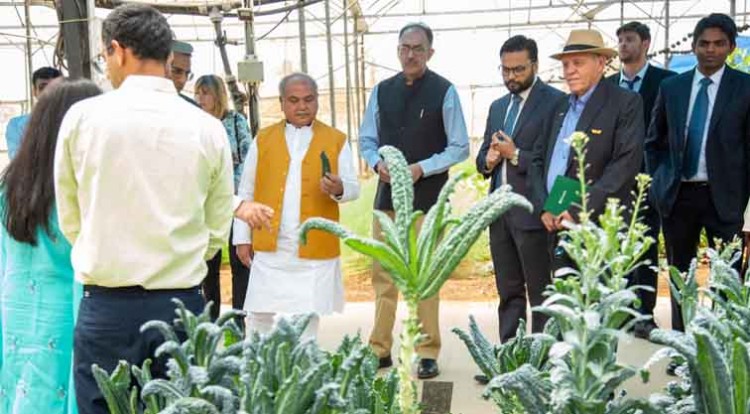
pixel 518 241
pixel 698 148
pixel 611 116
pixel 634 40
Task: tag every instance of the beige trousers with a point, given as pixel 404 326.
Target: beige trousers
pixel 386 302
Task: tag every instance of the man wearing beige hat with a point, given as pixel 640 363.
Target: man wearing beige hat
pixel 611 116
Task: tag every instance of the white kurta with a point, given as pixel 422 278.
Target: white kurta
pixel 281 281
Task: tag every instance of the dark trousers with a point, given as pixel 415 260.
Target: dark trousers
pixel 522 267
pixel 108 330
pixel 240 277
pixel 646 275
pixel 692 212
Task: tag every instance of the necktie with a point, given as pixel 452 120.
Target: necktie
pixel 696 127
pixel 631 83
pixel 508 126
pixel 510 118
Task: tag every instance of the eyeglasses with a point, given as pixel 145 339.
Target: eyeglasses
pixel 417 49
pixel 517 70
pixel 180 72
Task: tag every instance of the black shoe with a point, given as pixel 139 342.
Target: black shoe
pixel 672 368
pixel 428 368
pixel 385 362
pixel 481 379
pixel 643 329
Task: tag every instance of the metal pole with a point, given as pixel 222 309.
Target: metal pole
pixel 667 58
pixel 238 98
pixel 622 12
pixel 252 88
pixel 29 65
pixel 733 8
pixel 358 106
pixel 362 71
pixel 348 74
pixel 331 86
pixel 75 33
pixel 302 39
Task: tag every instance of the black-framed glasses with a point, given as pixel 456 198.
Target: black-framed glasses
pixel 180 72
pixel 416 49
pixel 516 70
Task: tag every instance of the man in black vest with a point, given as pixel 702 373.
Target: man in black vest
pixel 518 240
pixel 638 75
pixel 418 112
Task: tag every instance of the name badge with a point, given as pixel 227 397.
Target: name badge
pixel 596 131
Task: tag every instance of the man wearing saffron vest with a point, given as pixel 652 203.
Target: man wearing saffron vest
pixel 418 112
pixel 285 170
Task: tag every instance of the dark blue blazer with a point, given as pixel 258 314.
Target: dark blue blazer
pixel 727 145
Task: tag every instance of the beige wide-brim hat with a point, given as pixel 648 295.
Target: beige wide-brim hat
pixel 585 41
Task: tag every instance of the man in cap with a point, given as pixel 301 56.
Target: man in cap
pixel 611 116
pixel 180 68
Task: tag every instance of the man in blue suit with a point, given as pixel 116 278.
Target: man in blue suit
pixel 518 240
pixel 698 148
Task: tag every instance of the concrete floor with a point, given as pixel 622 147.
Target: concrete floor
pixel 455 362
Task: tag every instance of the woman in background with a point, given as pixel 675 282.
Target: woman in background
pixel 211 94
pixel 37 289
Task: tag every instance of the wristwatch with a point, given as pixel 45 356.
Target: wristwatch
pixel 514 160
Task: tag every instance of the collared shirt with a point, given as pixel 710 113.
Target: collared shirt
pixel 561 153
pixel 713 89
pixel 455 129
pixel 524 95
pixel 637 84
pixel 144 193
pixel 281 281
pixel 14 133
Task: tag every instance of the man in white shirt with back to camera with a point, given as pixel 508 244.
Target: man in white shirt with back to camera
pixel 143 186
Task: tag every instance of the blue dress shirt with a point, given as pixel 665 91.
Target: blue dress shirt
pixel 455 129
pixel 14 133
pixel 560 155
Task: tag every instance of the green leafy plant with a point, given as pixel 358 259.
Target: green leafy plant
pixel 592 308
pixel 715 347
pixel 495 360
pixel 214 371
pixel 419 262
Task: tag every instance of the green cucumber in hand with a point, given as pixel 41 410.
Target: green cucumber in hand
pixel 326 163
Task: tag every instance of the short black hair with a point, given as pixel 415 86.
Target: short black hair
pixel 45 73
pixel 638 28
pixel 717 21
pixel 140 28
pixel 520 43
pixel 417 26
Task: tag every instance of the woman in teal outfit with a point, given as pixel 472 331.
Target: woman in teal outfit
pixel 36 276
